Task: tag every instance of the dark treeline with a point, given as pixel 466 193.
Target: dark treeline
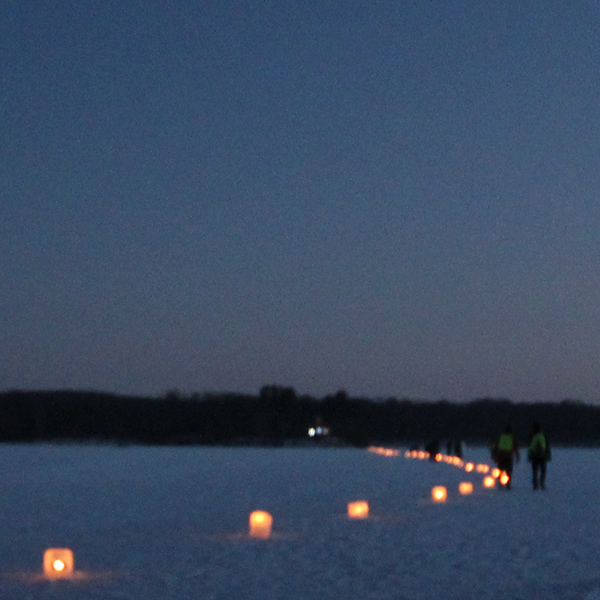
pixel 277 416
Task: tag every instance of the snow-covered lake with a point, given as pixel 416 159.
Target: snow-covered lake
pixel 172 523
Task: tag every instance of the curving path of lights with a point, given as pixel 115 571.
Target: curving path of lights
pixel 489 481
pixel 59 562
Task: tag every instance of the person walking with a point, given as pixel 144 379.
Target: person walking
pixel 538 454
pixel 504 452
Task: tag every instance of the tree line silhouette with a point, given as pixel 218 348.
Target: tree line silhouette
pixel 278 416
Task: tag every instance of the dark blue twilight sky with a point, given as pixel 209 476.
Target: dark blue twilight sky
pixel 391 197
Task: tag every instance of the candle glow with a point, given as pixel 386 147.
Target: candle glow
pixel 58 562
pixel 465 488
pixel 439 493
pixel 260 524
pixel 489 482
pixel 358 509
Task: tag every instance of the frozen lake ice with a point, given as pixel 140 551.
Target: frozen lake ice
pixel 148 523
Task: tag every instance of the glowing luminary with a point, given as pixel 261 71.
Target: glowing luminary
pixel 496 473
pixel 358 509
pixel 482 469
pixel 457 462
pixel 422 455
pixel 439 457
pixel 469 467
pixel 439 493
pixel 504 478
pixel 260 524
pixel 465 488
pixel 58 562
pixel 489 481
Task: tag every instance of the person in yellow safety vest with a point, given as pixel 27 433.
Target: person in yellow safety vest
pixel 505 450
pixel 538 454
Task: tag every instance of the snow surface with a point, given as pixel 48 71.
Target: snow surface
pixel 172 523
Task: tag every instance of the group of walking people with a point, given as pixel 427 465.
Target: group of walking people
pixel 506 450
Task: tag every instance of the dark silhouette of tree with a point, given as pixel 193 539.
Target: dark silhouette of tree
pixel 276 415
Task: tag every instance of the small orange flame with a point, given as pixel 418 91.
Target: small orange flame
pixel 439 493
pixel 465 488
pixel 260 524
pixel 58 562
pixel 358 509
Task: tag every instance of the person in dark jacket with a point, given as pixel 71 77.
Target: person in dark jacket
pixel 505 450
pixel 538 454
